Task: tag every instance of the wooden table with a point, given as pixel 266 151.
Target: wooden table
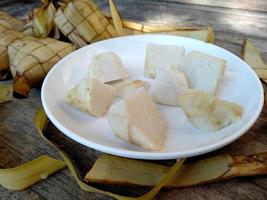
pixel 231 20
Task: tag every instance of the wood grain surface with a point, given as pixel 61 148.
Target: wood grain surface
pixel 231 20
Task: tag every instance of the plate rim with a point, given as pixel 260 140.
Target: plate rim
pixel 152 155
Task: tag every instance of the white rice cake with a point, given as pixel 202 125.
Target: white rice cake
pixel 107 67
pixel 91 96
pixel 136 119
pixel 162 56
pixel 203 72
pixel 126 87
pixel 208 113
pixel 168 86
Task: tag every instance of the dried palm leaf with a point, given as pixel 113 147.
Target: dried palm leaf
pixel 28 27
pixel 123 171
pixel 43 19
pixel 251 55
pixel 23 176
pixel 11 22
pixel 116 18
pixel 28 30
pixel 205 34
pixel 31 60
pixel 82 22
pixel 40 21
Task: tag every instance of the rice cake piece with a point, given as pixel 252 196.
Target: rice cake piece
pixel 168 86
pixel 91 96
pixel 162 56
pixel 204 72
pixel 136 119
pixel 224 114
pixel 126 87
pixel 208 113
pixel 107 67
pixel 196 103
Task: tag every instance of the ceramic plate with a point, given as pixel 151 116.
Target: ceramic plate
pixel 240 85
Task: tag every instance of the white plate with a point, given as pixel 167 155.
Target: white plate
pixel 240 85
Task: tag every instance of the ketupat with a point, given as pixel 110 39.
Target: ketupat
pixel 83 22
pixel 3 28
pixel 11 22
pixel 9 27
pixel 6 92
pixel 31 60
pixel 7 36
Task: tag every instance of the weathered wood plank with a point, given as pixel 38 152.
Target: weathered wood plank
pixel 258 5
pixel 230 25
pixel 23 195
pixel 222 19
pixel 232 189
